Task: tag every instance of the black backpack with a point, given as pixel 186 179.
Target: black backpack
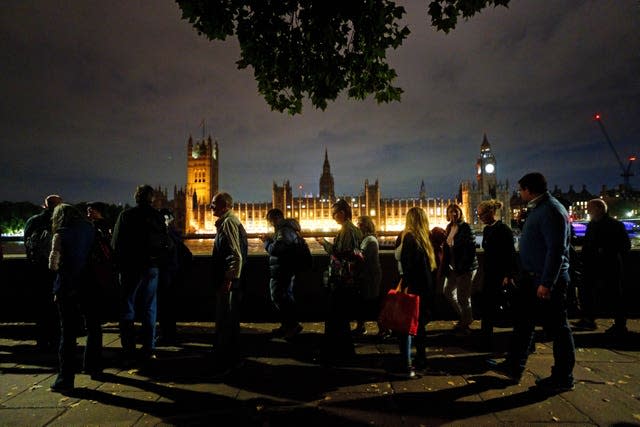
pixel 38 246
pixel 302 258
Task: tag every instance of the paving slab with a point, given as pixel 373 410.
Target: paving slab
pixel 282 383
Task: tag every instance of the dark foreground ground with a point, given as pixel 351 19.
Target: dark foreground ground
pixel 280 383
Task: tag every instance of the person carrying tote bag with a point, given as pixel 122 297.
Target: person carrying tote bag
pixel 417 261
pixel 400 311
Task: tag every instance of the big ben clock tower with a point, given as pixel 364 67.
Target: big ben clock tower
pixel 486 170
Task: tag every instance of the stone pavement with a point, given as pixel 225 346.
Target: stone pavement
pixel 280 384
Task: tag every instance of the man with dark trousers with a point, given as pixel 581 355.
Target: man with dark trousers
pixel 544 279
pixel 141 246
pixel 604 252
pixel 229 256
pixel 281 248
pixel 37 243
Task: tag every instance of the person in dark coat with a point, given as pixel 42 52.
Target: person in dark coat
pixel 37 243
pixel 418 263
pixel 499 266
pixel 460 255
pixel 172 278
pixel 281 247
pixel 542 288
pixel 75 292
pixel 141 246
pixel 604 253
pixel 342 284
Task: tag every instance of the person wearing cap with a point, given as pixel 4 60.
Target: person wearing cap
pixel 37 243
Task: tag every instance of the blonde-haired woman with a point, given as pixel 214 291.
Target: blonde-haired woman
pixel 500 265
pixel 417 260
pixel 461 258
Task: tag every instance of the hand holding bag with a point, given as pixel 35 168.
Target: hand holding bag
pixel 400 311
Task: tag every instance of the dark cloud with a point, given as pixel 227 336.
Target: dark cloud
pixel 101 96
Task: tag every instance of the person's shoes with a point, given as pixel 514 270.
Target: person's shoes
pixel 46 346
pixel 127 359
pixel 585 325
pixel 420 363
pixel 410 373
pixel 166 341
pixel 616 330
pixel 359 331
pixel 506 370
pixel 96 374
pixel 62 385
pixel 279 331
pixel 147 355
pixel 383 335
pixel 461 329
pixel 292 331
pixel 552 385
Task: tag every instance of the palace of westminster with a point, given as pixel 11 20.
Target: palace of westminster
pixel 191 205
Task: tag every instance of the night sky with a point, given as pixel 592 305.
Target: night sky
pixel 99 96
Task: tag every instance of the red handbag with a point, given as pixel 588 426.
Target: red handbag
pixel 400 311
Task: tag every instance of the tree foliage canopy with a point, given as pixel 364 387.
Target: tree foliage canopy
pixel 315 49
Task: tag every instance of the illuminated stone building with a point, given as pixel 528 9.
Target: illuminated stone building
pixel 485 187
pixel 314 211
pixel 202 184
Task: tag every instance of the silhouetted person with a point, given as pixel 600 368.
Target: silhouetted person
pixel 281 248
pixel 370 276
pixel 76 293
pixel 544 257
pixel 37 243
pixel 418 262
pixel 343 266
pixel 500 268
pixel 229 256
pixel 141 246
pixel 102 262
pixel 460 256
pixel 605 248
pixel 172 278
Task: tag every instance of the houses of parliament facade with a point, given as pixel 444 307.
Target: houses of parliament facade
pixel 191 204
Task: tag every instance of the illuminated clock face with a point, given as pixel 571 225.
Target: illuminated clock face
pixel 479 169
pixel 489 168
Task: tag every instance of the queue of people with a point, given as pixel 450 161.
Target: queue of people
pixel 149 258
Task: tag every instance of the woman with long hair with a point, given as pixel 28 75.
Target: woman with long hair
pixel 461 258
pixel 417 260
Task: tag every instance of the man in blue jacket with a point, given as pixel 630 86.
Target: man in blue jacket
pixel 544 256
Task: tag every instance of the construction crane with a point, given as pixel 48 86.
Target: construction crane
pixel 626 172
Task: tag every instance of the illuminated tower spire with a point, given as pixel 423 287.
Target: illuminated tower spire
pixel 326 179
